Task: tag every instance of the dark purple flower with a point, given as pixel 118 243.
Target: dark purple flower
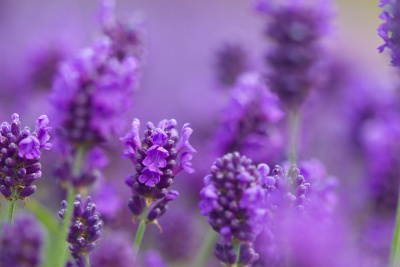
pixel 249 123
pixel 20 152
pixel 233 199
pixel 91 92
pixel 85 227
pixel 295 27
pixel 21 242
pixel 389 30
pixel 231 61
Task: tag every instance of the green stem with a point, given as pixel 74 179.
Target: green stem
pixel 236 248
pixel 62 240
pixel 204 252
pixel 395 252
pixel 294 132
pixel 12 205
pixel 80 152
pixel 139 234
pixel 87 260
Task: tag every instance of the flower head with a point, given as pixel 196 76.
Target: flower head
pixel 85 227
pixel 233 198
pixel 20 152
pixel 91 92
pixel 295 27
pixel 158 157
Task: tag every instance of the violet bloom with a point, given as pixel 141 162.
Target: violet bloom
pixel 113 250
pixel 20 151
pixel 296 28
pixel 233 200
pixel 249 123
pixel 231 62
pixel 127 37
pixel 91 92
pixel 85 228
pixel 152 258
pixel 21 243
pixel 389 30
pixel 158 157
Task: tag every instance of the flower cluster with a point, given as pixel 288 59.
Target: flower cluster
pixel 91 92
pixel 21 243
pixel 20 151
pixel 295 27
pixel 249 123
pixel 233 200
pixel 158 157
pixel 114 250
pixel 85 228
pixel 389 30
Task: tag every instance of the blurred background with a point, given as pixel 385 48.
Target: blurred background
pixel 344 122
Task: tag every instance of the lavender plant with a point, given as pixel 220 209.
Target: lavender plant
pixel 233 201
pixel 85 229
pixel 20 152
pixel 158 157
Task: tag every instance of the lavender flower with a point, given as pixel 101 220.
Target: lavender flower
pixel 158 157
pixel 113 250
pixel 389 30
pixel 231 62
pixel 249 123
pixel 152 258
pixel 127 38
pixel 233 201
pixel 295 27
pixel 85 228
pixel 20 152
pixel 91 92
pixel 21 243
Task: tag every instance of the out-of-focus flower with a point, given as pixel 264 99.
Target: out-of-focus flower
pixel 21 242
pixel 113 250
pixel 20 152
pixel 249 123
pixel 296 28
pixel 152 258
pixel 231 61
pixel 90 94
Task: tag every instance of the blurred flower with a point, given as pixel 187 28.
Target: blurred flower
pixel 231 61
pixel 296 28
pixel 21 242
pixel 249 123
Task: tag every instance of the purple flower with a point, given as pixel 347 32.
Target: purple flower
pixel 113 250
pixel 21 242
pixel 91 92
pixel 249 122
pixel 233 200
pixel 85 227
pixel 152 258
pixel 231 61
pixel 158 157
pixel 20 156
pixel 127 38
pixel 388 30
pixel 295 27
